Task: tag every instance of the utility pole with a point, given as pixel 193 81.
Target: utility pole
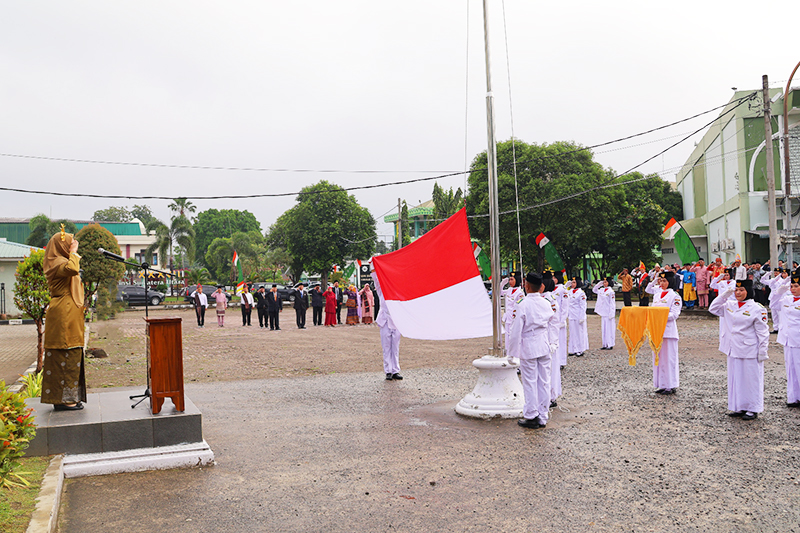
pixel 773 211
pixel 399 225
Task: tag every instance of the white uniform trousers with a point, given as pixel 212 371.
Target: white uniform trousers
pixel 507 331
pixel 561 352
pixel 578 336
pixel 776 317
pixel 555 378
pixel 745 385
pixel 390 342
pixel 609 331
pixel 535 377
pixel 791 355
pixel 665 375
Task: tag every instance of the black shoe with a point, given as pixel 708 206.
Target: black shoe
pixel 553 404
pixel 563 367
pixel 793 404
pixel 668 392
pixel 531 423
pixel 660 391
pixel 62 407
pixel 749 417
pixel 736 413
pixel 773 331
pixel 570 354
pixel 579 354
pixel 388 377
pixel 397 376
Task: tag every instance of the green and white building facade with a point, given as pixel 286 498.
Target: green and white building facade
pixel 724 184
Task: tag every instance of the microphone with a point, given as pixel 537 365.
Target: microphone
pixel 111 255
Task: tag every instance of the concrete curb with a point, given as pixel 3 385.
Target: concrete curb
pixel 45 516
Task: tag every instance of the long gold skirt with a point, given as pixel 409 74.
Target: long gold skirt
pixel 63 379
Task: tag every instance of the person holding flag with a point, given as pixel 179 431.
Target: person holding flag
pixel 240 281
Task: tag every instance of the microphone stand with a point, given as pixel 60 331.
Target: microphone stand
pixel 145 267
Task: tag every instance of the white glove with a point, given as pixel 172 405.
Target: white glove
pixel 762 357
pixel 553 348
pixel 581 321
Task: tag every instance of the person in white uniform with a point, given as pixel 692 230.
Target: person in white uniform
pixel 746 342
pixel 665 374
pixel 530 342
pixel 511 296
pixel 789 337
pixel 774 280
pixel 576 314
pixel 606 307
pixel 560 292
pixel 553 328
pixel 390 337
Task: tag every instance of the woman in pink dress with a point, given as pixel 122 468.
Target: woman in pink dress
pixel 367 304
pixel 222 302
pixel 702 276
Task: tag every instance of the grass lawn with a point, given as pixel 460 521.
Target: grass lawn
pixel 18 503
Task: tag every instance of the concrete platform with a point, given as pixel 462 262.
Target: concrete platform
pixel 108 424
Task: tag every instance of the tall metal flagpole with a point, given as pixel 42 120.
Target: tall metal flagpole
pixel 498 392
pixel 494 221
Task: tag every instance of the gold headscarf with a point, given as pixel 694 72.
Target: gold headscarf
pixel 57 254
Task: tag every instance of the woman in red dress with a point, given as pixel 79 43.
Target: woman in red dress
pixel 330 307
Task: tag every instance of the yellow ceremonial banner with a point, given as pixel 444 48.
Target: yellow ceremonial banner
pixel 636 323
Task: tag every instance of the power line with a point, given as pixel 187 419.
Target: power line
pixel 354 188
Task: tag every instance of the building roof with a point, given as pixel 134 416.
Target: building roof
pixel 423 209
pixel 18 229
pixel 14 250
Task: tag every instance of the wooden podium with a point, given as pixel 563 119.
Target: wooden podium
pixel 164 362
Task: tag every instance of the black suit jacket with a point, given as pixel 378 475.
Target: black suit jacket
pixel 300 302
pixel 274 301
pixel 261 300
pixel 317 299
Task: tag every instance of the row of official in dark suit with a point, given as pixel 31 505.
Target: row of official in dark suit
pixel 269 305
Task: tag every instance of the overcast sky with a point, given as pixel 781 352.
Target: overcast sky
pixel 349 85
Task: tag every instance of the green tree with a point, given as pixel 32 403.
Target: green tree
pixel 42 229
pixel 112 214
pixel 198 275
pixel 214 223
pixel 545 172
pixel 219 259
pixel 97 269
pixel 657 190
pixel 143 213
pixel 181 206
pixel 445 203
pixel 32 295
pixel 179 232
pixel 326 227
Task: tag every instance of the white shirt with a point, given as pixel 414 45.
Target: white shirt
pixel 530 331
pixel 247 298
pixel 606 304
pixel 201 297
pixel 576 304
pixel 746 333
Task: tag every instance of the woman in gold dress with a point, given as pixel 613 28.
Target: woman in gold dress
pixel 64 382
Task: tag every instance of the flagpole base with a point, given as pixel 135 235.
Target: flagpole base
pixel 498 393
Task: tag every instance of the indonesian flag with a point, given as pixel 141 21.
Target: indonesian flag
pixel 550 253
pixel 687 252
pixel 433 288
pixel 238 266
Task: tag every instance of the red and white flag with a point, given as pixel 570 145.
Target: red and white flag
pixel 433 288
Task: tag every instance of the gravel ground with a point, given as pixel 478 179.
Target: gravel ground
pixel 334 447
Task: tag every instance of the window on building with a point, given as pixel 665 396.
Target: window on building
pixel 155 259
pixel 668 250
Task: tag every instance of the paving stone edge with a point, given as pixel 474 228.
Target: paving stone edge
pixel 45 516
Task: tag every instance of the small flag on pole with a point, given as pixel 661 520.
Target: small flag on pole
pixel 550 253
pixel 238 265
pixel 687 253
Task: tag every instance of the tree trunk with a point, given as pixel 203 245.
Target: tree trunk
pixel 39 346
pixel 324 281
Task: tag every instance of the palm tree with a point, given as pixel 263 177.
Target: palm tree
pixel 181 205
pixel 198 275
pixel 42 228
pixel 178 232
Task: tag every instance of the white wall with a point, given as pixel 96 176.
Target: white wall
pixel 730 163
pixel 714 176
pixel 687 191
pixel 716 232
pixel 734 232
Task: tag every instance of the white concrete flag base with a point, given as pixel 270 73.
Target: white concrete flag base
pixel 498 392
pixel 137 460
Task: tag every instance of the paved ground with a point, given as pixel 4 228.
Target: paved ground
pixel 348 451
pixel 17 351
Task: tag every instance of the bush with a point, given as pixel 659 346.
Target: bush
pixel 162 287
pixel 16 431
pixel 33 385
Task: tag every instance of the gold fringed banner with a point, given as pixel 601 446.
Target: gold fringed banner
pixel 636 323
